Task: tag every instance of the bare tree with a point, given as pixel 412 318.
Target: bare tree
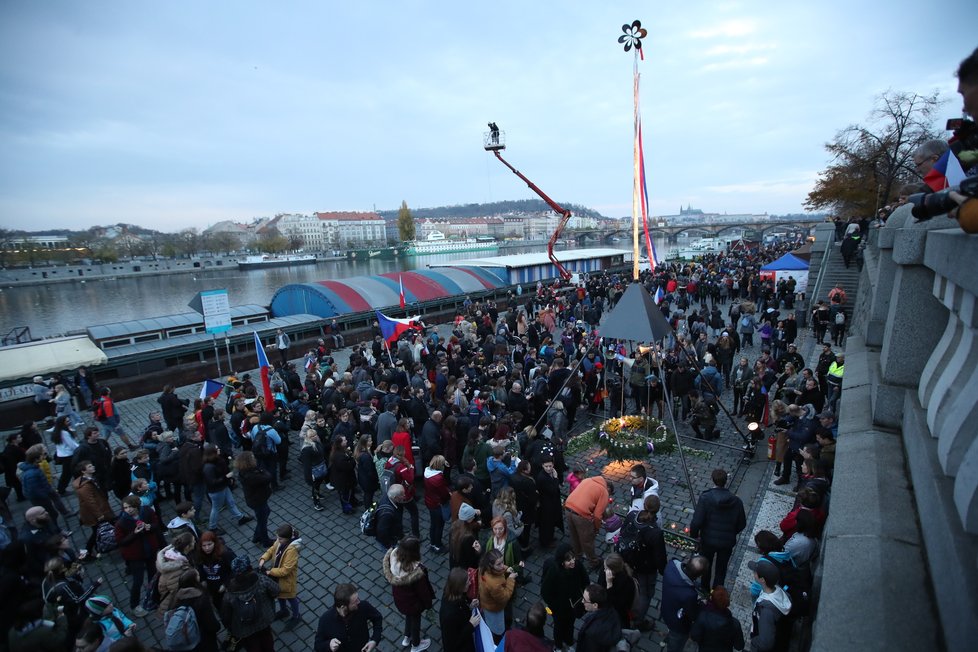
pixel 870 162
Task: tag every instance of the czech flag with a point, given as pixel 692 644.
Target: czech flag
pixel 659 295
pixel 392 328
pixel 211 388
pixel 266 384
pixel 946 173
pixel 400 284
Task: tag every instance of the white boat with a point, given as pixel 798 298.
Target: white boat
pixel 437 243
pixel 266 260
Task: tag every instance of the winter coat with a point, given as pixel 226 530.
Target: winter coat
pixel 311 455
pixel 138 546
pixel 653 558
pixel 456 630
pixel 352 632
pixel 284 569
pixel 769 609
pixel 191 464
pixel 718 519
pixel 367 474
pixel 92 503
pixel 246 588
pixel 527 498
pixel 562 588
pixel 410 586
pixel 495 590
pixel 39 636
pixel 207 620
pixel 678 596
pixel 257 486
pixel 436 491
pixel 170 565
pixel 34 482
pixel 717 631
pixel 342 471
pixel 600 631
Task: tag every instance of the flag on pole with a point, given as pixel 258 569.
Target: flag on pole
pixel 211 388
pixel 266 385
pixel 391 328
pixel 659 295
pixel 400 284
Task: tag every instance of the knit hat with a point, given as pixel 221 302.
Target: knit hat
pixel 96 604
pixel 240 565
pixel 466 512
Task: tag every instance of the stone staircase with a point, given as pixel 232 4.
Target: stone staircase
pixel 836 272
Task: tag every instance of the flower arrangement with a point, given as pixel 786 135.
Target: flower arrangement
pixel 632 437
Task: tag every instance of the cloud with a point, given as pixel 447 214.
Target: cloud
pixel 728 28
pixel 735 64
pixel 799 184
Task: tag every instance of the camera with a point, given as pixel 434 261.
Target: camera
pixel 928 205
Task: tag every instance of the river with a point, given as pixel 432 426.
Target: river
pixel 61 308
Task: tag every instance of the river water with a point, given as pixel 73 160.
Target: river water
pixel 61 308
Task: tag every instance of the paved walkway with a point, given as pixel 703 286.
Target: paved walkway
pixel 334 551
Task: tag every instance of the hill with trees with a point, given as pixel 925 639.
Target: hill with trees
pixel 492 209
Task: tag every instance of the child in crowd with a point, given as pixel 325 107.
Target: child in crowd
pixel 574 477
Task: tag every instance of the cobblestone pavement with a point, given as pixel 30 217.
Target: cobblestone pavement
pixel 334 551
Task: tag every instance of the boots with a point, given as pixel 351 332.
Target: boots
pixel 777 468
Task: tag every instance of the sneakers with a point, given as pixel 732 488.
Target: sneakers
pixel 140 612
pixel 317 506
pixel 437 550
pixel 405 642
pixel 329 485
pixel 245 519
pixel 424 644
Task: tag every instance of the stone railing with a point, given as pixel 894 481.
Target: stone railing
pixel 903 533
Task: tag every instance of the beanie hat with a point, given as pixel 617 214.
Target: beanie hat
pixel 96 604
pixel 240 565
pixel 466 512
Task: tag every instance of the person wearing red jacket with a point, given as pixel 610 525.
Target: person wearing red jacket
pixel 138 533
pixel 403 474
pixel 437 500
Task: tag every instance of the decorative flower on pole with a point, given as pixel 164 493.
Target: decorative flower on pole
pixel 633 35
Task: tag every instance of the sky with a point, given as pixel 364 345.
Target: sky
pixel 181 114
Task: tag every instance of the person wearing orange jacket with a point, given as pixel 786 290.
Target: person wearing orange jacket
pixel 585 508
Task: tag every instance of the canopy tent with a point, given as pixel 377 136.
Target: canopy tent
pixel 24 361
pixel 787 266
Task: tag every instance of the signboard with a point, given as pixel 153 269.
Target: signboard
pixel 16 392
pixel 214 306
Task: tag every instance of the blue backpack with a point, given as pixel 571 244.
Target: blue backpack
pixel 181 631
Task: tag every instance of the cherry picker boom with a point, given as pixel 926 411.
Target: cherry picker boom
pixel 495 142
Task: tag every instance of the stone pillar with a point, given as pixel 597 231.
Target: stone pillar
pixel 883 284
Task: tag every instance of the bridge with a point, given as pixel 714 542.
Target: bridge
pixel 704 229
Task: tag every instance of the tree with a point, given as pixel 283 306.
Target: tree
pixel 405 223
pixel 225 241
pixel 189 241
pixel 295 239
pixel 871 162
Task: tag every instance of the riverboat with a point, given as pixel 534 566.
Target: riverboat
pixel 437 243
pixel 376 253
pixel 264 261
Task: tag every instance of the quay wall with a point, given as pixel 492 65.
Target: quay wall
pixel 902 539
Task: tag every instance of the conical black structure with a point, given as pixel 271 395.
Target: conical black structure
pixel 636 318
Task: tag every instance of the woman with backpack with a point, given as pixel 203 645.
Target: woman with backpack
pixel 93 506
pixel 411 589
pixel 313 458
pixel 199 609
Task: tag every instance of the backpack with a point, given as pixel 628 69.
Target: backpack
pixel 181 631
pixel 630 545
pixel 840 318
pixel 151 595
pixel 745 322
pixel 98 409
pixel 368 521
pixel 386 480
pixel 105 538
pixel 261 445
pixel 246 609
pixel 796 582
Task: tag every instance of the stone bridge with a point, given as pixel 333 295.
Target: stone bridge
pixel 715 229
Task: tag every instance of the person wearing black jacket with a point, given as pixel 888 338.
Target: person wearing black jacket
pixel 351 625
pixel 562 587
pixel 715 629
pixel 96 450
pixel 647 566
pixel 718 519
pixel 257 485
pixel 600 628
pixel 456 616
pixel 390 526
pixel 173 408
pixel 218 482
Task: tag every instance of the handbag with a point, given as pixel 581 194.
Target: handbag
pixel 319 471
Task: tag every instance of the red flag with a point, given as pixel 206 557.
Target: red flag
pixel 266 384
pixel 401 284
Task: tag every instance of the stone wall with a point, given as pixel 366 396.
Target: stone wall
pixel 901 545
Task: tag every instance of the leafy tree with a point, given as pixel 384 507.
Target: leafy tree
pixel 405 223
pixel 870 162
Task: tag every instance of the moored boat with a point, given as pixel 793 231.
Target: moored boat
pixel 266 260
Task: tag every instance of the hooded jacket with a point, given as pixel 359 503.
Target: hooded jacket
pixel 600 631
pixel 203 608
pixel 246 588
pixel 803 432
pixel 768 610
pixel 562 588
pixel 717 631
pixel 679 598
pixel 718 519
pixel 170 565
pixel 286 570
pixel 436 491
pixel 409 585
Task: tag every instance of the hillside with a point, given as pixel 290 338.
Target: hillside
pixel 491 209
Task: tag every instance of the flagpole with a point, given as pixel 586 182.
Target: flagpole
pixel 635 172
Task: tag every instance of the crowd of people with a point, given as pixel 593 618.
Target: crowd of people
pixel 488 410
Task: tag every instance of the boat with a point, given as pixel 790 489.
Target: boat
pixel 437 243
pixel 265 260
pixel 376 253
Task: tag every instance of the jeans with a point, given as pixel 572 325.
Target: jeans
pixel 262 512
pixel 292 604
pixel 412 508
pixel 136 569
pixel 646 589
pixel 718 566
pixel 218 500
pixel 412 628
pixel 436 525
pixel 198 491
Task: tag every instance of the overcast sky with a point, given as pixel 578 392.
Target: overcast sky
pixel 180 114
